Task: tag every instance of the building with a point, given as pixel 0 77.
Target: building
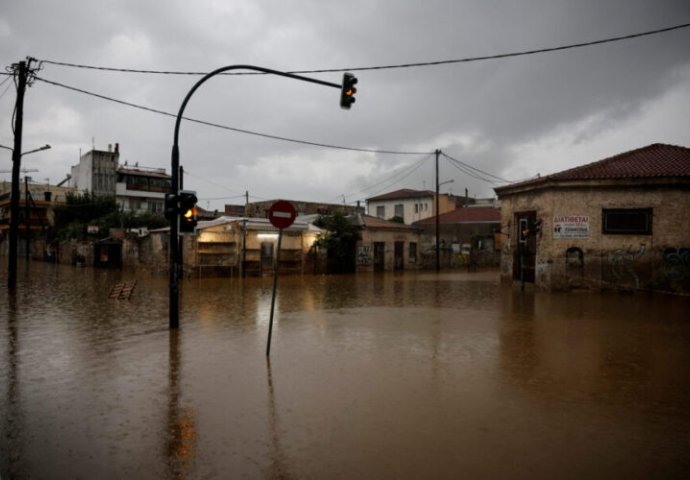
pixel 622 222
pixel 410 205
pixel 463 231
pixel 260 209
pixel 232 246
pixel 386 246
pixel 135 188
pixel 36 202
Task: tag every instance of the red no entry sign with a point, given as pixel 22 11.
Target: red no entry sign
pixel 282 214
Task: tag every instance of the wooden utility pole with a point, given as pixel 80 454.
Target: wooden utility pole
pixel 22 74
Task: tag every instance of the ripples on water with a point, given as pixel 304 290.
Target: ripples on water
pixel 388 376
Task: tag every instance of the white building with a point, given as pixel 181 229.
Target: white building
pixel 135 188
pixel 410 205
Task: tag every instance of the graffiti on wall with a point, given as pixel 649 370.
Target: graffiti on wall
pixel 364 255
pixel 623 265
pixel 677 264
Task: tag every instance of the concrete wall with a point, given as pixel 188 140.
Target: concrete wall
pixel 659 261
pixel 425 207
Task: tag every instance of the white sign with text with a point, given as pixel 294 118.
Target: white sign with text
pixel 570 226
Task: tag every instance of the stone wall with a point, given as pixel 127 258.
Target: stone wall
pixel 658 261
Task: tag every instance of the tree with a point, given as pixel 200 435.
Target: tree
pixel 82 210
pixel 340 241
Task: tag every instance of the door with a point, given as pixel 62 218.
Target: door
pixel 399 256
pixel 525 256
pixel 379 256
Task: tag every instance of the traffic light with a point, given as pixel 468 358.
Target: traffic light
pixel 188 211
pixel 531 229
pixel 171 206
pixel 348 90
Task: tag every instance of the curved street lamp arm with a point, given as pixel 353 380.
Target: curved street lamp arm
pixel 203 79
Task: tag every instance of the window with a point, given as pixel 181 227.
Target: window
pixel 416 208
pixel 381 211
pixel 400 210
pixel 627 221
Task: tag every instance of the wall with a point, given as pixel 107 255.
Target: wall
pixel 445 201
pixel 365 249
pixel 630 262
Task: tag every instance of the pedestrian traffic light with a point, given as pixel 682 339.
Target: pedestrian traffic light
pixel 171 206
pixel 188 211
pixel 348 90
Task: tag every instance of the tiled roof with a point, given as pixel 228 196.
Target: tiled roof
pixel 369 221
pixel 466 215
pixel 653 161
pixel 402 193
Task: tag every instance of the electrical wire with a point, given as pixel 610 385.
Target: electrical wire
pixel 482 172
pixel 403 65
pixel 225 127
pixel 473 174
pixel 393 180
pixel 188 173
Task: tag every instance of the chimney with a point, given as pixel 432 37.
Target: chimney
pixel 466 198
pixel 110 147
pixel 117 148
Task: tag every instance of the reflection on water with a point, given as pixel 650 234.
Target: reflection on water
pixel 372 376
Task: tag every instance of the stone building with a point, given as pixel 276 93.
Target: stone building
pixel 386 246
pixel 464 233
pixel 622 223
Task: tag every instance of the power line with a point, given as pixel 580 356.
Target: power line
pixel 393 180
pixel 225 127
pixel 482 172
pixel 403 65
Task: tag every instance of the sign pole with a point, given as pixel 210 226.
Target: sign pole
pixel 275 288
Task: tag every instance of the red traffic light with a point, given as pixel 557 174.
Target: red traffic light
pixel 348 90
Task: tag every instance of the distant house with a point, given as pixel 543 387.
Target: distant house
pixel 622 222
pixel 410 205
pixel 463 230
pixel 135 188
pixel 234 246
pixel 36 202
pixel 260 209
pixel 386 246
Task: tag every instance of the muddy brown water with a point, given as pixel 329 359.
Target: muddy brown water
pixel 416 375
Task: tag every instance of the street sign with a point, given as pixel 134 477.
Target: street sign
pixel 282 214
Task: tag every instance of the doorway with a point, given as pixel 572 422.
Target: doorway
pixel 525 256
pixel 379 256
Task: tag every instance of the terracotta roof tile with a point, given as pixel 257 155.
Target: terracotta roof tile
pixel 375 222
pixel 402 193
pixel 466 215
pixel 657 160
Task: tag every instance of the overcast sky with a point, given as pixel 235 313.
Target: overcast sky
pixel 514 118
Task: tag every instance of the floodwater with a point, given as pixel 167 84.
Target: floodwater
pixel 419 375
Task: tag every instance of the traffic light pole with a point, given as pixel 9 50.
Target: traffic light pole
pixel 438 245
pixel 174 287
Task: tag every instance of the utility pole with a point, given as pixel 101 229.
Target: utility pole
pixel 438 245
pixel 22 73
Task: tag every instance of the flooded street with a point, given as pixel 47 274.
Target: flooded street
pixel 371 377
